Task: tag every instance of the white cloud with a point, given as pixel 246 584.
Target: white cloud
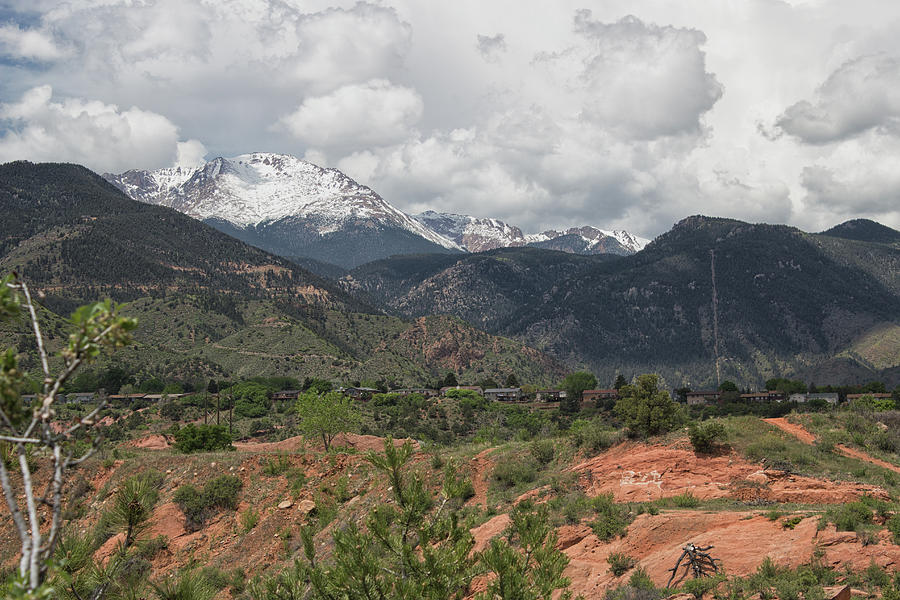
pixel 375 113
pixel 100 136
pixel 862 94
pixel 640 79
pixel 29 44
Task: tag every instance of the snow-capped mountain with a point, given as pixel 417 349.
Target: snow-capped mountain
pixel 472 233
pixel 287 206
pixel 296 209
pixel 476 235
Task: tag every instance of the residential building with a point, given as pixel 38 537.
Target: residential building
pixel 504 394
pixel 829 397
pixel 702 397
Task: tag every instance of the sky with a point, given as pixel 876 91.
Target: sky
pixel 622 114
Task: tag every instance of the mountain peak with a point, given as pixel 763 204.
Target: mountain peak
pixel 864 230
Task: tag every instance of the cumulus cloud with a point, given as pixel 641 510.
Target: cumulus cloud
pixel 28 44
pixel 859 178
pixel 101 136
pixel 862 94
pixel 640 79
pixel 375 113
pixel 491 46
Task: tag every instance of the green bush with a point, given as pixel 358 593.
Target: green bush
pixel 276 466
pixel 612 519
pixel 850 516
pixel 706 436
pixel 199 505
pixel 686 500
pixel 511 471
pixel 544 451
pixel 202 438
pixel 619 563
pixel 893 525
pixel 593 436
pixel 249 519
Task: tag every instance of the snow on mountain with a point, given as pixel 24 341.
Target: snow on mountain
pixel 476 235
pixel 472 233
pixel 255 189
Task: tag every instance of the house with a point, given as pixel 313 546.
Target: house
pixel 361 393
pixel 588 395
pixel 504 394
pixel 28 398
pixel 474 388
pixel 80 397
pixel 549 395
pixel 765 396
pixel 829 397
pixel 702 397
pixel 286 395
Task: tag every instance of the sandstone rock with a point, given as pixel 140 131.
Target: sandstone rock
pixel 285 504
pixel 837 592
pixel 306 507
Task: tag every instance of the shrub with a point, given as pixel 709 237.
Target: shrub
pixel 276 466
pixel 641 580
pixel 850 516
pixel 511 471
pixel 593 436
pixel 619 563
pixel 249 519
pixel 198 505
pixel 544 451
pixel 686 500
pixel 202 438
pixel 705 436
pixel 612 519
pixel 893 525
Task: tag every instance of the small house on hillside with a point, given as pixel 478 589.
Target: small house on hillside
pixel 361 393
pixel 830 397
pixel 503 394
pixel 549 395
pixel 702 397
pixel 766 396
pixel 81 397
pixel 286 395
pixel 588 395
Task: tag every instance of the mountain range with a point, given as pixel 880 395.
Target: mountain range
pixel 764 299
pixel 298 210
pixel 211 305
pixel 711 299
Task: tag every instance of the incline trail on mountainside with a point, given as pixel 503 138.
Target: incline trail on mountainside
pixel 800 432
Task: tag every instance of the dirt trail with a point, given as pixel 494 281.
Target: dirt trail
pixel 798 431
pixel 481 466
pixel 805 436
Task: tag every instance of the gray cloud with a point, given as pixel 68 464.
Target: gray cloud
pixel 491 46
pixel 862 94
pixel 567 117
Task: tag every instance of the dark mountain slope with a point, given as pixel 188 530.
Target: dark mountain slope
pixel 486 289
pixel 210 305
pixel 786 300
pixel 76 236
pixel 865 230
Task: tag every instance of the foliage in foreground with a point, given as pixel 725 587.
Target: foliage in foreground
pixel 416 548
